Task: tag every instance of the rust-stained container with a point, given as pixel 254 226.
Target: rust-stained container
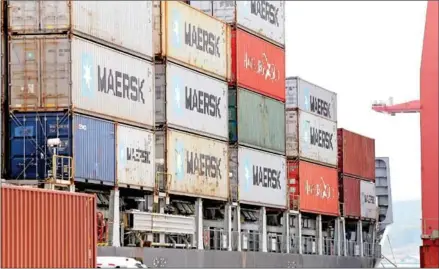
pixel 258 65
pixel 125 25
pixel 50 229
pixel 350 196
pixel 196 166
pixel 356 155
pixel 313 188
pixel 192 38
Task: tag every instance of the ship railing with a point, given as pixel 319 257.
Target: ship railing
pixel 215 239
pixel 352 248
pixel 246 241
pixel 329 247
pixel 294 244
pixel 276 243
pixel 377 251
pixel 368 249
pixel 309 244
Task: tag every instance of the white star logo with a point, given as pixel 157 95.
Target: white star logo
pixel 177 95
pixel 179 163
pixel 175 30
pixel 87 75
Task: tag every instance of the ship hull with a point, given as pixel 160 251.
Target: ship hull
pixel 156 257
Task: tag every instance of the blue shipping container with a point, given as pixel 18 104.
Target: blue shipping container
pixel 90 141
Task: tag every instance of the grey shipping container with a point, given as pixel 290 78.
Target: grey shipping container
pixel 256 121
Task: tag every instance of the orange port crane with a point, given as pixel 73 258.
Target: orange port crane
pixel 428 106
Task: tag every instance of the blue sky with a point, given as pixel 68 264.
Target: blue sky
pixel 365 51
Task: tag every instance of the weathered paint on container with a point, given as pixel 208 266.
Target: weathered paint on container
pixel 263 18
pixel 197 166
pixel 318 188
pixel 189 100
pixel 135 157
pixel 369 208
pixel 47 229
pixel 258 65
pixel 350 196
pixel 261 176
pixel 53 72
pixel 180 37
pixel 356 155
pixel 303 95
pixel 256 121
pixel 125 25
pixel 90 141
pixel 311 137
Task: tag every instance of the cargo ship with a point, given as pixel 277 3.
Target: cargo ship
pixel 178 119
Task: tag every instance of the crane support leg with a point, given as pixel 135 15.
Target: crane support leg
pixel 429 256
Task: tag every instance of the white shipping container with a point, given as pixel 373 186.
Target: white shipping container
pixel 261 177
pixel 192 38
pixel 368 201
pixel 310 98
pixel 190 100
pixel 266 18
pixel 135 157
pixel 54 71
pixel 125 24
pixel 311 137
pixel 197 166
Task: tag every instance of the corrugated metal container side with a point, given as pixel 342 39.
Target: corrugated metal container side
pixel 50 229
pixel 265 18
pixel 311 137
pixel 104 21
pixel 189 100
pixel 318 187
pixel 310 98
pixel 256 121
pixel 197 165
pixel 258 65
pixel 369 208
pixel 52 72
pixel 181 35
pixel 356 155
pixel 135 157
pixel 350 196
pixel 90 141
pixel 261 177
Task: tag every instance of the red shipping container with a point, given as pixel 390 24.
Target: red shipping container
pixel 356 155
pixel 318 188
pixel 258 65
pixel 350 196
pixel 52 229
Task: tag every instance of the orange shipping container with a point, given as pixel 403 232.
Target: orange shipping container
pixel 258 65
pixel 51 229
pixel 317 190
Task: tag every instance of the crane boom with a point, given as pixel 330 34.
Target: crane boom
pixel 407 107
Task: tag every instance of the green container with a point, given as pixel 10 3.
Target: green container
pixel 256 121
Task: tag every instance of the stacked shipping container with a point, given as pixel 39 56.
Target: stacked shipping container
pixel 191 100
pixel 311 147
pixel 356 166
pixel 76 74
pixel 256 99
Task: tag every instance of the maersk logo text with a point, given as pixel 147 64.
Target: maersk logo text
pixel 266 11
pixel 203 165
pixel 201 39
pixel 320 107
pixel 320 138
pixel 121 85
pixel 202 102
pixel 266 177
pixel 138 155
